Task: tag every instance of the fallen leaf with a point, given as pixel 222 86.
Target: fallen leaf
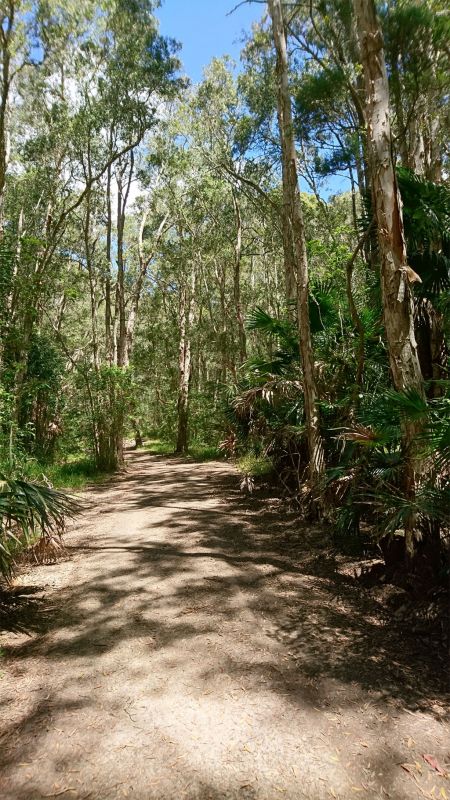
pixel 443 793
pixel 434 764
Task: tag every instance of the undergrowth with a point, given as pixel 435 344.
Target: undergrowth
pixel 75 474
pixel 254 466
pixel 198 451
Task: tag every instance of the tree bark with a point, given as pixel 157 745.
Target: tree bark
pixel 122 199
pixel 237 282
pixel 293 212
pixel 290 278
pixel 186 318
pixel 396 275
pixel 108 311
pixel 6 33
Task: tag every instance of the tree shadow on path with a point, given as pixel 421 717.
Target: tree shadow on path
pixel 174 564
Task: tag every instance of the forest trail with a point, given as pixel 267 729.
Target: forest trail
pixel 196 645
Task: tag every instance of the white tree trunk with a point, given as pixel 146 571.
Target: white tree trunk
pixel 396 275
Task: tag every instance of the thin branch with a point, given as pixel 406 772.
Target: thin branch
pixel 245 3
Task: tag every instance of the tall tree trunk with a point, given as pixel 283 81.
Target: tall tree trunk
pixel 123 188
pixel 223 332
pixel 120 349
pixel 186 318
pixel 396 276
pixel 88 248
pixel 291 192
pixel 290 278
pixel 7 16
pixel 108 310
pixel 237 282
pixel 356 319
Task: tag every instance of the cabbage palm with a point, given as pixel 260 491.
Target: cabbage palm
pixel 30 515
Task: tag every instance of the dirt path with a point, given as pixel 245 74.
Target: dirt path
pixel 195 646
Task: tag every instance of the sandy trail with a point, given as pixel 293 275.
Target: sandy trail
pixel 195 646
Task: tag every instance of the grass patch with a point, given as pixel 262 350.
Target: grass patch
pixel 197 451
pixel 254 466
pixel 75 473
pixel 205 452
pixel 159 447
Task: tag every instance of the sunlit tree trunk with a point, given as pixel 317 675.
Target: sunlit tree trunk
pixel 108 308
pixel 7 16
pixel 290 279
pixel 292 192
pixel 123 187
pixel 186 318
pixel 396 275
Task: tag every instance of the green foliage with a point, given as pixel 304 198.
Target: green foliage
pixel 30 513
pixel 426 209
pixel 368 482
pixel 141 225
pixel 75 473
pixel 159 447
pixel 365 483
pixel 198 451
pixel 255 466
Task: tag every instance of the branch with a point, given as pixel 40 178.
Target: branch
pixel 67 211
pixel 252 184
pixel 245 3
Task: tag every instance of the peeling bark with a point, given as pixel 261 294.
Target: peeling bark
pixel 396 276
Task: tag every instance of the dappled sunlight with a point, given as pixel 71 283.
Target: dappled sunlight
pixel 193 651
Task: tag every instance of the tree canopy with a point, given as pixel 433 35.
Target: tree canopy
pixel 181 261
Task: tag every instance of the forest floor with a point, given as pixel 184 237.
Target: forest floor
pixel 197 643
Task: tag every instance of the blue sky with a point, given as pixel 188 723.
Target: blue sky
pixel 205 30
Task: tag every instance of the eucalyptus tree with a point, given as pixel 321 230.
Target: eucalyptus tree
pixel 133 71
pixel 98 88
pixel 295 220
pixel 219 258
pixel 396 275
pixel 416 44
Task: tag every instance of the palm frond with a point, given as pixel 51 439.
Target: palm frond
pixel 28 512
pixel 260 320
